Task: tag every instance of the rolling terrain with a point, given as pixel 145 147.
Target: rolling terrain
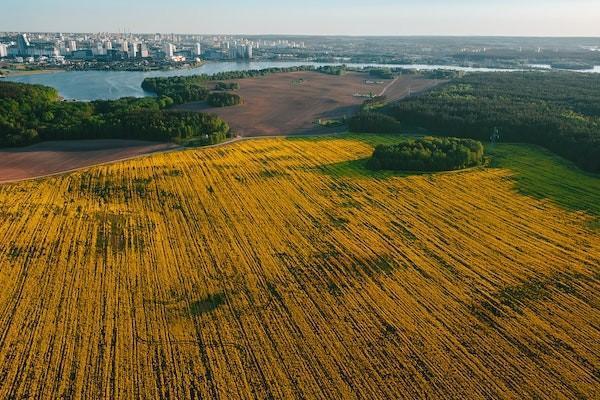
pixel 282 268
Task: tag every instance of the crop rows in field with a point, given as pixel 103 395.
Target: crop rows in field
pixel 272 269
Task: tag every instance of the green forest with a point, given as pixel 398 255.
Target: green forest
pixel 428 154
pixel 182 89
pixel 31 113
pixel 557 110
pixel 373 122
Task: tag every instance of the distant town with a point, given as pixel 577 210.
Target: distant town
pixel 135 51
pixel 141 52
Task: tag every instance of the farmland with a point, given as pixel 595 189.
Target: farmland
pixel 290 103
pixel 282 268
pixel 53 157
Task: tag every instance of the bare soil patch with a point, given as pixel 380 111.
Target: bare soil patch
pixel 54 157
pixel 290 103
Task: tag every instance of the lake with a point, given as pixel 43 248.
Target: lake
pixel 95 85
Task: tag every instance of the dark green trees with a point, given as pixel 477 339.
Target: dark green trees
pixel 428 154
pixel 182 89
pixel 372 122
pixel 227 86
pixel 559 111
pixel 22 109
pixel 31 113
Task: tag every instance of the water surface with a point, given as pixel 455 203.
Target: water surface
pixel 94 85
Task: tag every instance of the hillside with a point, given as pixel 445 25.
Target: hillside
pixel 281 268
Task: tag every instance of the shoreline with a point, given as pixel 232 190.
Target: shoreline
pixel 11 72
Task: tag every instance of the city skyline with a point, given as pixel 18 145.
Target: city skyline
pixel 332 17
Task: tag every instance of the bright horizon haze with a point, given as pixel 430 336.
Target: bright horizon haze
pixel 309 17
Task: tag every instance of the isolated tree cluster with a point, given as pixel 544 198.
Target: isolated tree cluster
pixel 428 154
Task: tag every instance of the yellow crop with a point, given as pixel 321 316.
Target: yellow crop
pixel 263 270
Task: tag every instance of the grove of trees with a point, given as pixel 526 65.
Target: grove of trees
pixel 182 89
pixel 428 154
pixel 332 69
pixel 223 99
pixel 227 86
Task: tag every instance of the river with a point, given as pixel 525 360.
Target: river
pixel 95 85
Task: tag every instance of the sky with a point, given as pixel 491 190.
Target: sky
pixel 311 17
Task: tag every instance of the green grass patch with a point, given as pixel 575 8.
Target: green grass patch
pixel 537 171
pixel 544 175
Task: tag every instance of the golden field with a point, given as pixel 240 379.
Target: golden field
pixel 272 269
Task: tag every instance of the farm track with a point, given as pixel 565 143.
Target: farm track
pixel 264 269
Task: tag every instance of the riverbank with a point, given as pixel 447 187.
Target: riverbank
pixel 28 72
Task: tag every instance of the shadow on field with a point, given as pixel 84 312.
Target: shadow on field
pixel 206 305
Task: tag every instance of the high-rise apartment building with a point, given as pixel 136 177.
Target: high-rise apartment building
pixel 169 50
pixel 23 45
pixel 132 50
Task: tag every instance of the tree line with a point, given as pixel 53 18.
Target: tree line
pixel 382 73
pixel 227 86
pixel 30 113
pixel 373 122
pixel 332 69
pixel 428 154
pixel 557 110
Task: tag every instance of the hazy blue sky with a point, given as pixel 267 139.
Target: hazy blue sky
pixel 366 17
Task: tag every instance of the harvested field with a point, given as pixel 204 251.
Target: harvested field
pixel 290 103
pixel 50 157
pixel 278 268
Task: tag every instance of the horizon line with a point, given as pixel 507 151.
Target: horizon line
pixel 321 34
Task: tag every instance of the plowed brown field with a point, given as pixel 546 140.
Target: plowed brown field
pixel 269 269
pixel 290 103
pixel 49 158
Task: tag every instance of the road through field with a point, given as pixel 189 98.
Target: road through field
pixel 382 93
